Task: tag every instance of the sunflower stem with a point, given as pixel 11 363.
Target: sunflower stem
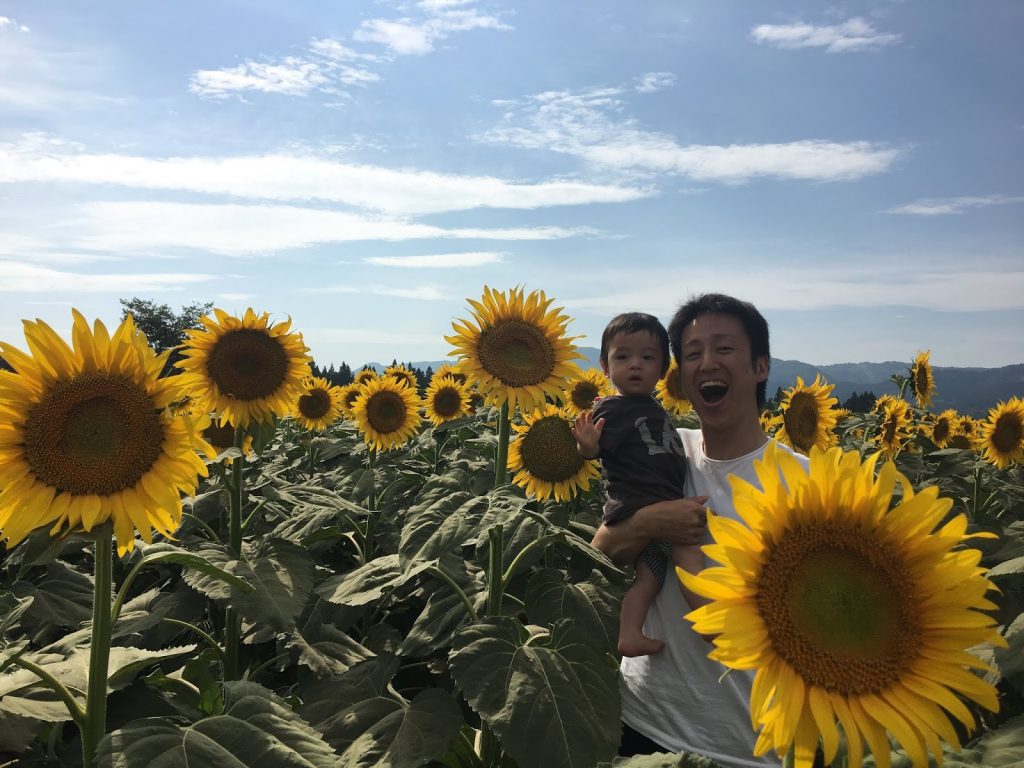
pixel 214 645
pixel 95 725
pixel 790 759
pixel 501 459
pixel 494 576
pixel 371 506
pixel 232 621
pixel 74 708
pixel 312 460
pixel 438 571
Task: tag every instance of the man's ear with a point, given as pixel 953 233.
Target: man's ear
pixel 761 368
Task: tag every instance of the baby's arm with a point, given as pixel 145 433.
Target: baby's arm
pixel 588 434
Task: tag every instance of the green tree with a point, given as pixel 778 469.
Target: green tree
pixel 164 328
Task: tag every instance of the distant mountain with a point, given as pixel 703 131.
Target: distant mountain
pixel 969 390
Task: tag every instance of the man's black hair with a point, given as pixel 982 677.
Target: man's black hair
pixel 634 322
pixel 754 324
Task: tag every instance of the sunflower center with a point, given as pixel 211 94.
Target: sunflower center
pixel 93 435
pixel 1006 436
pixel 386 412
pixel 548 450
pixel 350 398
pixel 447 402
pixel 801 420
pixel 839 608
pixel 516 353
pixel 921 380
pixel 247 364
pixel 674 384
pixel 584 394
pixel 889 429
pixel 940 433
pixel 315 404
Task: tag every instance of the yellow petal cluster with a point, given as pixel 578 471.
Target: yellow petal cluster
pixel 544 459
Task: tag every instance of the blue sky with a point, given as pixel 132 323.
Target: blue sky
pixel 365 166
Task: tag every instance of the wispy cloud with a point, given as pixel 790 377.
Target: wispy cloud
pixel 291 177
pixel 855 34
pixel 252 230
pixel 419 292
pixel 438 260
pixel 326 66
pixel 21 277
pixel 953 205
pixel 408 36
pixel 655 81
pixel 589 125
pixel 7 23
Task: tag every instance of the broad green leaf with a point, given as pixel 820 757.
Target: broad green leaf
pixel 1008 570
pixel 663 760
pixel 329 652
pixel 443 613
pixel 11 609
pixel 282 574
pixel 17 732
pixel 405 736
pixel 324 700
pixel 219 557
pixel 257 730
pixel 550 705
pixel 592 610
pixel 196 561
pixel 61 598
pixel 1005 745
pixel 436 526
pixel 368 583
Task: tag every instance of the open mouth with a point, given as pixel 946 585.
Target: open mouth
pixel 713 391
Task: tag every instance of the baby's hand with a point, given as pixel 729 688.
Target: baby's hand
pixel 588 434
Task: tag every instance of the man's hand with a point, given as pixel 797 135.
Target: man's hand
pixel 588 434
pixel 678 521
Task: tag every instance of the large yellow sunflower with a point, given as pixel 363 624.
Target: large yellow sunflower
pixel 807 416
pixel 387 413
pixel 670 392
pixel 245 369
pixel 544 456
pixel 944 427
pixel 402 375
pixel 895 429
pixel 445 400
pixel 581 391
pixel 1000 438
pixel 921 379
pixel 87 435
pixel 850 612
pixel 515 349
pixel 318 404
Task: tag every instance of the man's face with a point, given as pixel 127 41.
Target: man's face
pixel 717 374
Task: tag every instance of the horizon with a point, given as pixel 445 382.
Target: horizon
pixel 854 170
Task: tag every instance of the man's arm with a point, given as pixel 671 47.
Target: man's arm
pixel 679 521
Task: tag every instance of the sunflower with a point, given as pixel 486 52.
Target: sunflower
pixel 1001 437
pixel 581 391
pixel 221 437
pixel 921 379
pixel 807 416
pixel 895 428
pixel 318 404
pixel 544 456
pixel 883 402
pixel 349 393
pixel 87 435
pixel 402 375
pixel 944 428
pixel 447 369
pixel 852 614
pixel 670 391
pixel 515 349
pixel 446 399
pixel 387 413
pixel 245 369
pixel 767 421
pixel 364 376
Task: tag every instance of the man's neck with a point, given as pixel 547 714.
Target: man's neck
pixel 722 445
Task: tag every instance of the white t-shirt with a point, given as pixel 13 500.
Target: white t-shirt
pixel 675 697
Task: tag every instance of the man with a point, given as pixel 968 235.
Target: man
pixel 678 700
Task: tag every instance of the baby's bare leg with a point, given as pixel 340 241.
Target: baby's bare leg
pixel 633 613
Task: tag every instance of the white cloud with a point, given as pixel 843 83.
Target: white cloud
pixel 420 292
pixel 953 205
pixel 283 177
pixel 247 230
pixel 855 34
pixel 7 22
pixel 438 260
pixel 408 36
pixel 587 125
pixel 655 81
pixel 21 277
pixel 325 66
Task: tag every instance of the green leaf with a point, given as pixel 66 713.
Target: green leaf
pixel 592 610
pixel 440 617
pixel 663 760
pixel 17 732
pixel 404 737
pixel 436 526
pixel 196 561
pixel 11 609
pixel 62 598
pixel 329 653
pixel 368 583
pixel 219 557
pixel 1008 570
pixel 282 575
pixel 550 705
pixel 324 702
pixel 1005 745
pixel 1011 658
pixel 257 729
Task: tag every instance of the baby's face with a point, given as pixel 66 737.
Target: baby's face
pixel 634 362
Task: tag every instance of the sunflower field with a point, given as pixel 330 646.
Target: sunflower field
pixel 244 565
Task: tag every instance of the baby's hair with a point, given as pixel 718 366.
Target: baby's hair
pixel 635 322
